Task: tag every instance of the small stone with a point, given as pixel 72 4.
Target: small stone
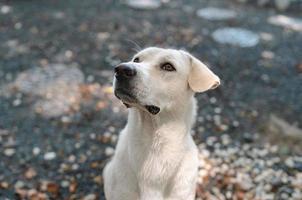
pixel 90 197
pixel 267 55
pixel 109 151
pixel 36 151
pixel 17 102
pixel 213 100
pixel 66 119
pixel 286 22
pixel 75 166
pixel 9 152
pixel 5 9
pixel 19 184
pixel 18 25
pixel 50 156
pixel 266 36
pixel 212 13
pixel 72 158
pixel 235 123
pixel 217 110
pixel 65 184
pixel 98 180
pixel 114 139
pixel 90 79
pixel 282 4
pixel 144 4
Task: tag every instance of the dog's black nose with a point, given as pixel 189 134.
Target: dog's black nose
pixel 124 71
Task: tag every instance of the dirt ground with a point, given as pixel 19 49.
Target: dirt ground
pixel 59 120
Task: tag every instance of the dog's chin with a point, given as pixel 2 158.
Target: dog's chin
pixel 129 100
pixel 126 97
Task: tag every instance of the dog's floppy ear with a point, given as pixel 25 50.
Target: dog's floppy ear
pixel 201 78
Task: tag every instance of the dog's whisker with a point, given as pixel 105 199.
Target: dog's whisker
pixel 136 47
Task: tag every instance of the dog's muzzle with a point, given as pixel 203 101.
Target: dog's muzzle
pixel 124 74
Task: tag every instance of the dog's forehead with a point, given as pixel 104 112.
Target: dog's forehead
pixel 155 52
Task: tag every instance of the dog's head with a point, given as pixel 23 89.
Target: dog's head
pixel 157 79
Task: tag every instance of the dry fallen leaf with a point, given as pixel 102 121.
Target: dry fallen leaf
pixel 30 173
pixel 101 105
pixel 4 185
pixel 22 193
pixel 73 187
pixel 98 180
pixel 53 188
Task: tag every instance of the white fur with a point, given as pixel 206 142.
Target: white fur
pixel 156 157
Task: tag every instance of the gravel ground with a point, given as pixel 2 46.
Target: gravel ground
pixel 59 120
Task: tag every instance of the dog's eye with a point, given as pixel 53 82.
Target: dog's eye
pixel 168 67
pixel 136 59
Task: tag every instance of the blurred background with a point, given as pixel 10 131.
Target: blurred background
pixel 59 121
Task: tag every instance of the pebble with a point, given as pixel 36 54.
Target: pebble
pixel 65 184
pixel 109 151
pixel 90 197
pixel 9 152
pixel 212 13
pixel 236 36
pixel 19 184
pixel 17 102
pixel 267 55
pixel 50 156
pixel 5 9
pixel 213 100
pixel 253 171
pixel 282 4
pixel 144 4
pixel 72 158
pixel 36 151
pixel 286 22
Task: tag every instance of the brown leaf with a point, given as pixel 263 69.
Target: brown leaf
pixel 98 180
pixel 22 193
pixel 101 105
pixel 73 187
pixel 4 185
pixel 53 188
pixel 299 67
pixel 30 173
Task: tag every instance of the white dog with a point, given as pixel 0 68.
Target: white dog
pixel 156 157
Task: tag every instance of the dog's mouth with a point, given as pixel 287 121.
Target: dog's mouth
pixel 125 96
pixel 130 100
pixel 152 109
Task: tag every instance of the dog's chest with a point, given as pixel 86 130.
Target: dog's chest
pixel 156 159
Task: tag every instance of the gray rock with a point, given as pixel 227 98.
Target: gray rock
pixel 212 13
pixel 280 126
pixel 236 36
pixel 282 4
pixel 144 4
pixel 56 87
pixel 286 22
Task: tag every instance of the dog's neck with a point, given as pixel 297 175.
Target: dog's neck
pixel 173 123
